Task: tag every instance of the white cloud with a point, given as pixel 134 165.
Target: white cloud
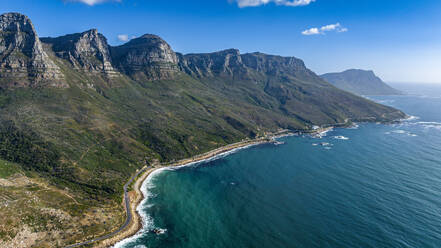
pixel 330 27
pixel 311 31
pixel 327 28
pixel 93 2
pixel 254 3
pixel 123 37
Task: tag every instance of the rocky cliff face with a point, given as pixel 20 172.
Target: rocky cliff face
pixel 147 57
pixel 87 51
pixel 277 65
pixel 223 63
pixel 230 63
pixel 23 62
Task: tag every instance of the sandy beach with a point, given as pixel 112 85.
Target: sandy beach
pixel 136 196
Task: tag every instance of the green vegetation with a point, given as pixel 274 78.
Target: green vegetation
pixel 26 149
pixel 92 139
pixel 8 169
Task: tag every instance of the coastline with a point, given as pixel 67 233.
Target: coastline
pixel 135 225
pixel 137 195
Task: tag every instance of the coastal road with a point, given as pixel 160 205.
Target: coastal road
pixel 128 219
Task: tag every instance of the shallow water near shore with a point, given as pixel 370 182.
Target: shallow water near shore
pixel 372 186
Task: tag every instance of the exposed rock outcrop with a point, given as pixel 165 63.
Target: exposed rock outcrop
pixel 222 63
pixel 23 62
pixel 87 51
pixel 277 65
pixel 230 63
pixel 146 58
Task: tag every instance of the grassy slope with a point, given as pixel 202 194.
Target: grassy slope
pixel 83 132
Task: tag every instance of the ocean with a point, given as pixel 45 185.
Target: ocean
pixel 372 185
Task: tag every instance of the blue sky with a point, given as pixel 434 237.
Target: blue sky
pixel 399 39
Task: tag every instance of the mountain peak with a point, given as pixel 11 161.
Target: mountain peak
pixel 150 36
pixel 359 71
pixel 147 40
pixel 92 31
pixel 12 17
pixel 232 51
pixel 86 51
pixel 22 58
pixel 148 57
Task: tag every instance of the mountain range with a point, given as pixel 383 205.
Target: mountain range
pixel 80 117
pixel 360 82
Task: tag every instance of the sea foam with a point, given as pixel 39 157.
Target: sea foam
pixel 411 118
pixel 341 137
pixel 147 220
pixel 148 185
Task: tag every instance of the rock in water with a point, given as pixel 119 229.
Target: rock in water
pixel 23 62
pixel 146 58
pixel 87 51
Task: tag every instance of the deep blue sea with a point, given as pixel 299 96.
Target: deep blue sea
pixel 376 186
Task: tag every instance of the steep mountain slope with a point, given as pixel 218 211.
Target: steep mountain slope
pixel 360 82
pixel 146 58
pixel 86 51
pixel 22 59
pixel 99 113
pixel 282 84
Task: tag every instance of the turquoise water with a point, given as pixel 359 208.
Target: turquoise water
pixel 381 187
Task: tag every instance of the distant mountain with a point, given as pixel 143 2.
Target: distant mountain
pixel 85 116
pixel 360 82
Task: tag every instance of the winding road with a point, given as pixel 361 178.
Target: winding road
pixel 128 219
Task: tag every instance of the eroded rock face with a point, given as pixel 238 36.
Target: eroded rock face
pixel 87 51
pixel 230 63
pixel 23 61
pixel 272 64
pixel 147 57
pixel 223 63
